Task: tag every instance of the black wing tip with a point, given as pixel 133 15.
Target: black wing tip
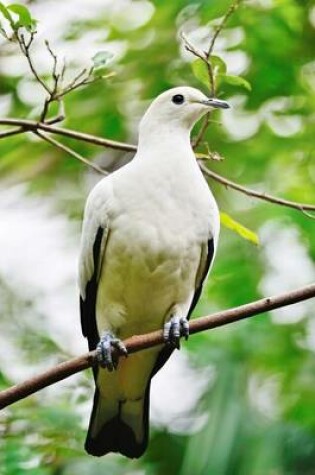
pixel 115 436
pixel 87 306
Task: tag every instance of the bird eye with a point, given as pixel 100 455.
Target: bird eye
pixel 178 99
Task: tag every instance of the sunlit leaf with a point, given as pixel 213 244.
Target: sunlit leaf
pixel 218 64
pixel 25 18
pixel 101 59
pixel 6 13
pixel 200 71
pixel 238 228
pixel 235 81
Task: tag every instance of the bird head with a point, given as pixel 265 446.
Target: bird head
pixel 179 107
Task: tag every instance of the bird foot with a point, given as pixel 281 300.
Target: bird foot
pixel 174 329
pixel 108 351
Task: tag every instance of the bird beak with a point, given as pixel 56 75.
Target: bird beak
pixel 216 103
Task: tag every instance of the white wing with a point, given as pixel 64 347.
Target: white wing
pixel 93 243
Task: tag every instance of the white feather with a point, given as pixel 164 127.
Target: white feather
pixel 159 214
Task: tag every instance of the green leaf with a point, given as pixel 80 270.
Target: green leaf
pixel 24 15
pixel 6 14
pixel 100 71
pixel 101 59
pixel 218 65
pixel 238 228
pixel 235 81
pixel 200 71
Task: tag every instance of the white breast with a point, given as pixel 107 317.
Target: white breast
pixel 153 250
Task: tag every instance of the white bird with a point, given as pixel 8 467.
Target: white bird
pixel 150 232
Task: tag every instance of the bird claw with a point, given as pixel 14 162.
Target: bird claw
pixel 108 351
pixel 174 329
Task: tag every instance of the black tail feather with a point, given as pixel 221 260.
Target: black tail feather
pixel 116 436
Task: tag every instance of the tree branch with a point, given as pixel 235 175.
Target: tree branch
pixel 203 129
pixel 25 49
pixel 256 194
pixel 10 132
pixel 234 5
pixel 70 151
pixel 141 342
pixel 25 37
pixel 24 125
pixel 32 125
pixel 205 56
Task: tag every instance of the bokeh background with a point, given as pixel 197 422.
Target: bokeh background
pixel 235 400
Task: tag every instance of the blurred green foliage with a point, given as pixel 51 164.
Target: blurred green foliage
pixel 258 408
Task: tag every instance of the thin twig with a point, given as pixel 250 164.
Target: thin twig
pixel 77 78
pixel 204 126
pixel 255 194
pixel 61 114
pixel 63 71
pixel 59 118
pixel 10 132
pixel 235 4
pixel 205 56
pixel 55 77
pixel 45 108
pixel 55 64
pixel 55 92
pixel 70 151
pixel 192 48
pixel 88 80
pixel 141 342
pixel 309 215
pixel 31 125
pixel 25 48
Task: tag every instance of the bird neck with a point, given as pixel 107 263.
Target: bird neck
pixel 166 140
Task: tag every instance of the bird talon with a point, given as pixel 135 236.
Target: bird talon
pixel 119 345
pixel 174 329
pixel 166 331
pixel 106 355
pixel 185 327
